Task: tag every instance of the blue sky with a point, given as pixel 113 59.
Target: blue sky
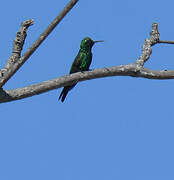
pixel 110 128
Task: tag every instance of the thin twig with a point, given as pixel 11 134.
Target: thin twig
pixel 166 42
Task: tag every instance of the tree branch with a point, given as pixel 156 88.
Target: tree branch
pixel 17 47
pixel 166 42
pixel 147 45
pixel 10 70
pixel 123 70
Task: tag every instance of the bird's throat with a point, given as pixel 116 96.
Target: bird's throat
pixel 86 50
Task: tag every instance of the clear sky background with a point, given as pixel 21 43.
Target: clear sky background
pixel 111 128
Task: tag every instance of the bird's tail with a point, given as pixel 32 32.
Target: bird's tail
pixel 64 93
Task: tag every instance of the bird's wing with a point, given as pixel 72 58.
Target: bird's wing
pixel 89 61
pixel 81 62
pixel 76 64
pixel 86 60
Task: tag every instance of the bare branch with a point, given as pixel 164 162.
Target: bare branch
pixel 166 42
pixel 134 69
pixel 123 70
pixel 10 71
pixel 147 45
pixel 17 46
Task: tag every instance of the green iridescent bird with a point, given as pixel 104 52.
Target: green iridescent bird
pixel 81 62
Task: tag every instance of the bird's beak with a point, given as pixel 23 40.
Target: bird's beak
pixel 98 41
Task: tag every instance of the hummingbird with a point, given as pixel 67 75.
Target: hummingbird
pixel 81 62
